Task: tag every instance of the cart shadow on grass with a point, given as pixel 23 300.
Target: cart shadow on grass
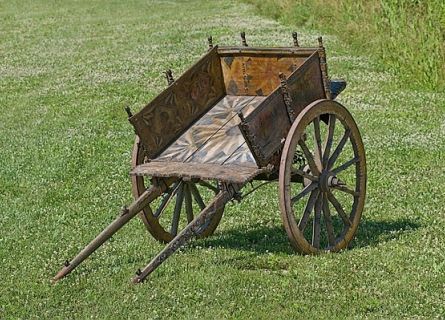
pixel 272 239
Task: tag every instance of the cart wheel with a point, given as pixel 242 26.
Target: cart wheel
pixel 163 217
pixel 322 213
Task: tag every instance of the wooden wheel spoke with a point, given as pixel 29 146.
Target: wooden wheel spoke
pixel 304 174
pixel 345 166
pixel 338 207
pixel 339 148
pixel 317 140
pixel 303 192
pixel 166 199
pixel 329 140
pixel 188 203
pixel 308 209
pixel 328 221
pixel 347 190
pixel 208 186
pixel 177 211
pixel 316 225
pixel 309 158
pixel 197 196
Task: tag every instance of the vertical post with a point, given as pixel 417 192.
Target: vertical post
pixel 243 39
pixel 210 42
pixel 324 68
pixel 169 77
pixel 320 42
pixel 295 36
pixel 128 110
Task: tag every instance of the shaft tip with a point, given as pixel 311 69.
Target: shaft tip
pixel 62 273
pixel 136 280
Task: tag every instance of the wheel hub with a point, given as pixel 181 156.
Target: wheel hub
pixel 328 180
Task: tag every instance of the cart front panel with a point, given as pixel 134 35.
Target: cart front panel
pixel 256 75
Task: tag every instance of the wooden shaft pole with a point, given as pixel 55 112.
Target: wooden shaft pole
pixel 192 229
pixel 127 214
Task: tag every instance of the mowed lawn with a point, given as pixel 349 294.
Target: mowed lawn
pixel 67 69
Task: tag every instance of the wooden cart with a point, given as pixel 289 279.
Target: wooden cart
pixel 242 114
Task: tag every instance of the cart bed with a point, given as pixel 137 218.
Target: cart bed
pixel 193 128
pixel 213 148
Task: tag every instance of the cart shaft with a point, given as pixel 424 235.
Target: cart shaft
pixel 192 229
pixel 126 215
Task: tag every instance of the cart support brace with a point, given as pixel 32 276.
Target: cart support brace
pixel 192 229
pixel 126 215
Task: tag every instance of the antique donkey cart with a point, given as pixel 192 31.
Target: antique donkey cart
pixel 242 114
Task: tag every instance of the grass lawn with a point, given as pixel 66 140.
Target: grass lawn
pixel 66 71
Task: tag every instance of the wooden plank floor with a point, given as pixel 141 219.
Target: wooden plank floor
pixel 216 138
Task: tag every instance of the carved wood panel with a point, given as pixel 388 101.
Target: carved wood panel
pixel 172 112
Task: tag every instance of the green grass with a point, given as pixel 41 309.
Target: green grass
pixel 407 37
pixel 67 70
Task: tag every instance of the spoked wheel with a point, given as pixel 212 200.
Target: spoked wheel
pixel 171 212
pixel 323 213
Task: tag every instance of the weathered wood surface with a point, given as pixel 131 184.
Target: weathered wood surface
pixel 265 127
pixel 194 119
pixel 303 52
pixel 323 181
pixel 172 112
pixel 204 171
pixel 306 84
pixel 246 74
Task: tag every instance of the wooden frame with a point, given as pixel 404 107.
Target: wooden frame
pixel 263 100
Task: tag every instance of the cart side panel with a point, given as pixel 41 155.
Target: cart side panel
pixel 266 128
pixel 306 84
pixel 256 75
pixel 173 111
